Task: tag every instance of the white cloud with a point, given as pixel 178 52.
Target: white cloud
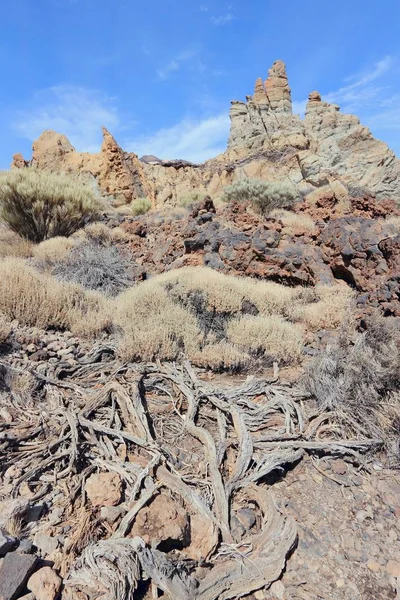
pixel 77 112
pixel 363 92
pixel 222 19
pixel 175 64
pixel 191 140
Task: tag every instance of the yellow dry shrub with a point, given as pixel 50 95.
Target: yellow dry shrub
pixel 153 325
pixel 104 234
pixel 294 222
pixel 12 244
pixel 221 357
pixel 37 299
pixel 270 335
pixel 53 250
pixel 159 318
pixel 5 328
pixel 329 311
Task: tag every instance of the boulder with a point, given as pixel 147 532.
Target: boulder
pixel 163 524
pixel 104 489
pixel 15 571
pixel 45 584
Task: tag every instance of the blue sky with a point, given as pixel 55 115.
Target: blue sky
pixel 160 75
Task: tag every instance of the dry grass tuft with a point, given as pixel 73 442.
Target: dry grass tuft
pixel 102 234
pixel 269 336
pixel 328 311
pixel 53 250
pixel 5 328
pixel 36 299
pixel 223 356
pixel 12 244
pixel 295 222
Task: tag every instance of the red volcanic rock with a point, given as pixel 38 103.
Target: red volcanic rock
pixel 362 250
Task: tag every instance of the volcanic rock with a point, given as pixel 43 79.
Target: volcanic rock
pixel 45 584
pixel 266 141
pixel 104 489
pixel 164 523
pixel 15 570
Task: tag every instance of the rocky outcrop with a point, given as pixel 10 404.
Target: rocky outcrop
pixel 119 174
pixel 357 245
pixel 266 141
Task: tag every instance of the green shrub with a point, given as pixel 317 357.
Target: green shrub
pixel 39 205
pixel 140 206
pixel 191 198
pixel 265 196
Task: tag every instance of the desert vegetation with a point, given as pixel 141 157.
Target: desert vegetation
pixel 190 198
pixel 95 267
pixel 221 320
pixel 265 196
pixel 12 244
pixel 39 300
pixel 358 377
pixel 40 205
pixel 214 320
pixel 294 222
pixel 140 206
pixel 5 328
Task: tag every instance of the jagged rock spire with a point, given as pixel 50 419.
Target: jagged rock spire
pixel 277 88
pixel 275 92
pixel 259 96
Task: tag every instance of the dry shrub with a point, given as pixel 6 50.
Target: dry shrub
pixel 37 299
pixel 39 205
pixel 265 196
pixel 270 336
pixel 358 377
pixel 153 325
pixel 294 222
pixel 95 267
pixel 140 206
pixel 189 199
pixel 54 250
pixel 103 234
pixel 5 328
pixel 12 244
pixel 222 356
pixel 204 315
pixel 328 311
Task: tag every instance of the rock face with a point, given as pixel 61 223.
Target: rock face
pixel 266 141
pixel 118 173
pixel 355 244
pixel 329 145
pixel 14 573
